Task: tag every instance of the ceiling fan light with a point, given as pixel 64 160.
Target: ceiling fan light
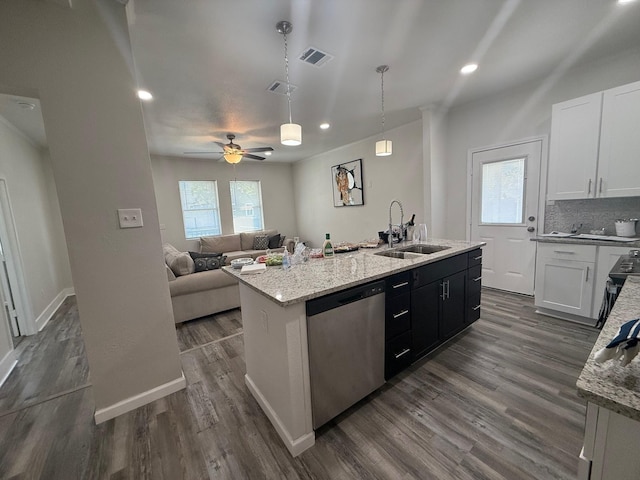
pixel 384 148
pixel 291 134
pixel 233 157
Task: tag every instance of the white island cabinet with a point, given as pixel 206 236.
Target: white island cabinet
pixel 595 145
pixel 274 319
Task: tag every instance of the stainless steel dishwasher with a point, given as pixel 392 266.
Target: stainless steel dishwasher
pixel 345 333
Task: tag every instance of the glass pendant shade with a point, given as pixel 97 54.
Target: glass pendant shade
pixel 384 148
pixel 290 134
pixel 233 157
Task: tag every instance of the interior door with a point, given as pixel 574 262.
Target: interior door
pixel 504 213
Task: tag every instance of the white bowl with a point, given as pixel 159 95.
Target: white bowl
pixel 241 262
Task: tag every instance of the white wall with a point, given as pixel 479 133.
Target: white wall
pixel 38 223
pixel 399 176
pixel 78 62
pixel 520 113
pixel 276 182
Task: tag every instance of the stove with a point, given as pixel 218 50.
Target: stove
pixel 625 266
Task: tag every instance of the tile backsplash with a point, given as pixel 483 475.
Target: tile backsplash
pixel 593 214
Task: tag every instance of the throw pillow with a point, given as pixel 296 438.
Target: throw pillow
pixel 207 261
pixel 261 242
pixel 274 241
pixel 282 239
pixel 180 263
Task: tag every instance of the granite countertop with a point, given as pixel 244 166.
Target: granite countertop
pixel 608 384
pixel 321 276
pixel 586 241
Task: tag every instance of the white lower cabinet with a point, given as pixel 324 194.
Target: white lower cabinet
pixel 565 277
pixel 610 448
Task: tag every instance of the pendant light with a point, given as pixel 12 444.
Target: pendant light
pixel 290 133
pixel 383 147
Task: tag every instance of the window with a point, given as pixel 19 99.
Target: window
pixel 503 191
pixel 200 211
pixel 246 202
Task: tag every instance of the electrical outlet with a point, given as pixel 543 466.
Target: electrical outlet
pixel 130 217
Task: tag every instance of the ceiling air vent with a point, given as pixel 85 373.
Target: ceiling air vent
pixel 280 87
pixel 315 57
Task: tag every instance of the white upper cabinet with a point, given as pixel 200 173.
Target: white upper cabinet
pixel 619 160
pixel 573 155
pixel 595 145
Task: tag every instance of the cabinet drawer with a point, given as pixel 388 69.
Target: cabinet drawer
pixel 397 355
pixel 398 315
pixel 564 251
pixel 398 284
pixel 474 280
pixel 435 271
pixel 473 308
pixel 474 258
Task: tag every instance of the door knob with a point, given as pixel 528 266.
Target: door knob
pixel 532 218
pixel 530 229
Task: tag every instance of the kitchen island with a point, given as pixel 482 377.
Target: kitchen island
pixel 612 427
pixel 274 319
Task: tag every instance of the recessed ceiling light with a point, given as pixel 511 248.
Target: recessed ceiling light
pixel 324 126
pixel 144 95
pixel 267 153
pixel 26 105
pixel 623 2
pixel 469 68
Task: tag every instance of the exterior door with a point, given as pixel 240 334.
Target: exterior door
pixel 7 295
pixel 504 213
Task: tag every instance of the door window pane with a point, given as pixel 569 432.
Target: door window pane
pixel 503 192
pixel 200 211
pixel 246 201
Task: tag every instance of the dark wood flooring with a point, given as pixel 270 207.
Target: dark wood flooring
pixel 497 402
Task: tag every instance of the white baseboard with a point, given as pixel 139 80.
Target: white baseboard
pixel 48 312
pixel 139 400
pixel 295 447
pixel 7 364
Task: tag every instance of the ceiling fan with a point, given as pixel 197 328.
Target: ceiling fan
pixel 233 153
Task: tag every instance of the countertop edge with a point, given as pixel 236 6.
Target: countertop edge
pixel 585 241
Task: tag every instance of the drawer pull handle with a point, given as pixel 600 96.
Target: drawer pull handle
pixel 589 187
pixel 565 251
pixel 478 258
pixel 477 279
pixel 403 312
pixel 404 352
pixel 476 308
pixel 586 279
pixel 401 285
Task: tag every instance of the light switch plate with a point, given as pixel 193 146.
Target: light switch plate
pixel 130 217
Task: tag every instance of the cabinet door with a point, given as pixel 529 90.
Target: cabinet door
pixel 607 257
pixel 573 153
pixel 452 315
pixel 425 312
pixel 619 162
pixel 565 285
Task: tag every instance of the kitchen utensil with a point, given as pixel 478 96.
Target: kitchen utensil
pixel 626 227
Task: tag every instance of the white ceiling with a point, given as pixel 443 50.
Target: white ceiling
pixel 208 63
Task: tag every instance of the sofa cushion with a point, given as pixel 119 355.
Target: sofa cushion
pixel 201 281
pixel 179 262
pixel 247 238
pixel 170 275
pixel 220 244
pixel 261 242
pixel 207 261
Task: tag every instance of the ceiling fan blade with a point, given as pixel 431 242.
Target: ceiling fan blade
pixel 202 153
pixel 252 157
pixel 258 149
pixel 220 144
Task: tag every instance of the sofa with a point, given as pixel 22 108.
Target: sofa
pixel 209 290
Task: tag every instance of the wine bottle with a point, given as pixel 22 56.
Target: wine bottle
pixel 413 217
pixel 327 246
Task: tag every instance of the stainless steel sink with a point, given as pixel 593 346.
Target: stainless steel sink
pixel 394 254
pixel 423 249
pixel 411 251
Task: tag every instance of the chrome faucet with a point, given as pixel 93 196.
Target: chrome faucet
pixel 391 224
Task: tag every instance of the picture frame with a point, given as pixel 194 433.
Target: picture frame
pixel 346 181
